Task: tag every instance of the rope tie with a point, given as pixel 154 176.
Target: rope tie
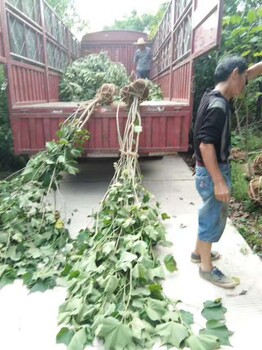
pixel 130 153
pixel 138 88
pixel 106 93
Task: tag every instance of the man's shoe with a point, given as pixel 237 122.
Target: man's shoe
pixel 195 258
pixel 217 277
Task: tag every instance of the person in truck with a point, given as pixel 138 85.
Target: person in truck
pixel 142 60
pixel 212 149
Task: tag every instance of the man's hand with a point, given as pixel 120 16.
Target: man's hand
pixel 221 191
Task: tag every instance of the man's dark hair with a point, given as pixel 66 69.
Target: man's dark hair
pixel 226 66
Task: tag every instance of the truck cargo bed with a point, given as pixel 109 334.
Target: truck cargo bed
pixel 165 125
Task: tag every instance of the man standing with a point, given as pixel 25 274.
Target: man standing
pixel 142 59
pixel 212 148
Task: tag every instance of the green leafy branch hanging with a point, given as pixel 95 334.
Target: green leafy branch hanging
pixel 33 237
pixel 113 273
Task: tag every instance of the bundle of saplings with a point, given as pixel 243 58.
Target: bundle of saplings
pixel 33 237
pixel 86 75
pixel 113 273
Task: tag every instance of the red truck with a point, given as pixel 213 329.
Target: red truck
pixel 36 47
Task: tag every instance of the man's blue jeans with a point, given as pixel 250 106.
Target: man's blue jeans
pixel 212 215
pixel 143 74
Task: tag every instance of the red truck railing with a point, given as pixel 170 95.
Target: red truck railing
pixel 172 45
pixel 189 29
pixel 118 44
pixel 40 47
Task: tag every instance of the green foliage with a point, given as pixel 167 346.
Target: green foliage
pixel 114 280
pixel 86 75
pixel 157 19
pixel 60 6
pixel 240 184
pixel 242 36
pixel 144 23
pixel 33 237
pixel 133 21
pixel 202 342
pixel 155 92
pixel 252 235
pixel 113 274
pixel 8 161
pixel 117 295
pixel 170 263
pixel 66 10
pixel 214 313
pixel 249 139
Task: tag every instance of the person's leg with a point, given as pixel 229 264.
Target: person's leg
pixel 146 74
pixel 203 249
pixel 139 74
pixel 203 246
pixel 143 74
pixel 211 221
pixel 215 214
pixel 212 215
pixel 195 256
pixel 197 248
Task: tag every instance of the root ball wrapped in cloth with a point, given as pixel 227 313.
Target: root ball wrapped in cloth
pixel 255 190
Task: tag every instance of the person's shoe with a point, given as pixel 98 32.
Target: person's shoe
pixel 217 277
pixel 195 258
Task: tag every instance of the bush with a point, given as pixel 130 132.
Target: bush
pixel 249 140
pixel 240 186
pixel 240 183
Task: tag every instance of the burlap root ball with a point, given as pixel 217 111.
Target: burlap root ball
pixel 106 93
pixel 255 190
pixel 127 94
pixel 138 88
pixel 257 165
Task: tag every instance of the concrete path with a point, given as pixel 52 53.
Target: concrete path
pixel 28 322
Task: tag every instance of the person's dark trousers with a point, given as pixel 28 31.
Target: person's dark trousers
pixel 143 74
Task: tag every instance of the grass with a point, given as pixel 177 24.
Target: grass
pixel 239 181
pixel 253 239
pixel 251 140
pixel 250 226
